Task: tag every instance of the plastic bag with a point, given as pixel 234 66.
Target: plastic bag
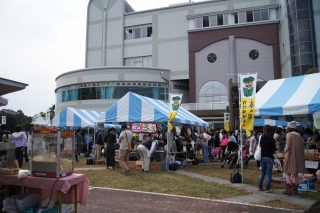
pixel 22 201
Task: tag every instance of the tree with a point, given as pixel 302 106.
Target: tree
pixel 52 111
pixel 312 70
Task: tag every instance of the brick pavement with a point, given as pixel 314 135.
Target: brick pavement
pixel 113 200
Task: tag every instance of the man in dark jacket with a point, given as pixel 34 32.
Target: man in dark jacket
pixel 315 208
pixel 98 144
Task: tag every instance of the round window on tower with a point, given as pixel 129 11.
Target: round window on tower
pixel 212 57
pixel 254 54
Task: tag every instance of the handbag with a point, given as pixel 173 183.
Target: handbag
pixel 129 148
pixel 257 153
pixel 235 177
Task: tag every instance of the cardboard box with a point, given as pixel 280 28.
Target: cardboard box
pixel 155 166
pixel 306 184
pixel 131 165
pixel 96 162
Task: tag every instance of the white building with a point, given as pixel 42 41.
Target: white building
pixel 193 48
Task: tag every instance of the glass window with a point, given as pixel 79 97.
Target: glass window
pixel 306 58
pixel 149 31
pixel 226 19
pixel 303 25
pixel 293 17
pixel 137 32
pixel 294 38
pixel 254 54
pixel 213 20
pixel 143 31
pixel 256 15
pixel 304 36
pixel 295 27
pixel 220 19
pixel 264 15
pixel 295 60
pixel 212 91
pixel 305 47
pixel 305 68
pixel 145 61
pixel 296 71
pixel 199 22
pixel 128 32
pixel 242 17
pixel 302 4
pixel 294 49
pixel 235 15
pixel 205 21
pixel 249 16
pixel 303 14
pixel 149 61
pixel 292 7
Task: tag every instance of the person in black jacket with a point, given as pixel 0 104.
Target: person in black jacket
pixel 268 147
pixel 110 149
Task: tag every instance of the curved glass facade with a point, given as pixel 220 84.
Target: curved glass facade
pixel 302 39
pixel 111 90
pixel 213 91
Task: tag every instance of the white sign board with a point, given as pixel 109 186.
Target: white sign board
pixel 3 120
pixel 312 164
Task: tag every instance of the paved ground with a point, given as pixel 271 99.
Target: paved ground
pixel 111 200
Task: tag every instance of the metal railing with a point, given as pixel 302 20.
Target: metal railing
pixel 205 106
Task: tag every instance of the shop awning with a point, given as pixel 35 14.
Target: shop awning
pixel 9 86
pixel 271 122
pixel 73 117
pixel 289 96
pixel 137 108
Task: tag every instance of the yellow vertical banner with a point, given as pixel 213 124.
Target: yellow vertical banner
pixel 247 108
pixel 227 121
pixel 174 104
pixel 248 84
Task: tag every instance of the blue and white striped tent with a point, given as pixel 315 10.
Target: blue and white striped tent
pixel 136 108
pixel 73 117
pixel 289 96
pixel 271 122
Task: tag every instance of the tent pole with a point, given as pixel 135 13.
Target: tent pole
pixel 240 120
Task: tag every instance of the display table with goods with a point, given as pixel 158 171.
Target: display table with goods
pixel 71 189
pixel 307 181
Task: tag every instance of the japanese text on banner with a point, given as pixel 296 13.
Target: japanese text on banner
pixel 247 114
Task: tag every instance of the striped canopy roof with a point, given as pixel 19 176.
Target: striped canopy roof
pixel 136 108
pixel 289 96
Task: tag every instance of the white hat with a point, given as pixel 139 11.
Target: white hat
pixel 280 126
pixel 292 125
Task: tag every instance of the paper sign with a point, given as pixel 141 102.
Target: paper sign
pixel 316 118
pixel 311 164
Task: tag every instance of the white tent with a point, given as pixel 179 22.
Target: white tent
pixel 137 108
pixel 289 96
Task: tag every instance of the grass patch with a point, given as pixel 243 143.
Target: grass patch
pixel 277 203
pixel 310 195
pixel 161 182
pixel 251 175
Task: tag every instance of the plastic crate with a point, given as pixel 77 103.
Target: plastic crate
pixel 35 208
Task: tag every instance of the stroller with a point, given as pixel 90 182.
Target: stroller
pixel 231 155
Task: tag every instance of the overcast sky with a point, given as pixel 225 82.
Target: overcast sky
pixel 41 39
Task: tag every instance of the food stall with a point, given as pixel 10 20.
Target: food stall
pixel 134 108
